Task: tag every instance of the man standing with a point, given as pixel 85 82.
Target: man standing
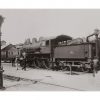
pixel 21 61
pixel 13 62
pixel 95 64
pixel 24 61
pixel 24 64
pixel 16 62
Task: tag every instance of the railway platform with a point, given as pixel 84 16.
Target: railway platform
pixel 78 81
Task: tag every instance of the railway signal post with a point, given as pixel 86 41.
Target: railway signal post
pixel 1 69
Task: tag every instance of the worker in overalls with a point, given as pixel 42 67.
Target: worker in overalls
pixel 94 65
pixel 21 61
pixel 13 62
pixel 24 64
pixel 16 62
pixel 24 61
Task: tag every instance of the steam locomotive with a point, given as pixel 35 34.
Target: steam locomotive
pixel 63 52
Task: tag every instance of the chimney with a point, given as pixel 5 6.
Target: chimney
pixel 34 40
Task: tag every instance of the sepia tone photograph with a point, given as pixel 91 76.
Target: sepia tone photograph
pixel 49 49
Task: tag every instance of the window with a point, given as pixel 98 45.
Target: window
pixel 9 53
pixel 43 43
pixel 18 53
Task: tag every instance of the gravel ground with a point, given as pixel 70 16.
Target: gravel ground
pixel 31 86
pixel 77 81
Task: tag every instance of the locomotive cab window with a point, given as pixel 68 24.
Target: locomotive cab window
pixel 43 43
pixel 62 43
pixel 47 43
pixel 12 53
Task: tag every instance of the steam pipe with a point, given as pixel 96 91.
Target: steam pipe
pixel 96 33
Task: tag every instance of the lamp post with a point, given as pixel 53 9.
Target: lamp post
pixel 1 69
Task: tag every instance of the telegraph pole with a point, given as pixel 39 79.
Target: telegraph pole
pixel 1 69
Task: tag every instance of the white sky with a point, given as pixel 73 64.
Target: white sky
pixel 22 24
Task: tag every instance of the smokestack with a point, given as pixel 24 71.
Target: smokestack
pixel 34 40
pixel 27 41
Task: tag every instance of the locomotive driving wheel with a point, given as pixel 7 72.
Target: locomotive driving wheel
pixel 83 68
pixel 59 65
pixel 36 63
pixel 45 64
pixel 48 64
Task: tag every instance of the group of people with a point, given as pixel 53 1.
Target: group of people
pixel 19 62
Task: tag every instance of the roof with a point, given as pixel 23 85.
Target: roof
pixel 7 46
pixel 63 38
pixel 3 46
pixel 59 37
